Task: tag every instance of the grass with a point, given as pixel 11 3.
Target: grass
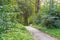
pixel 16 33
pixel 52 32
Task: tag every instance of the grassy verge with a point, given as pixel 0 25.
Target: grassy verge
pixel 16 33
pixel 52 32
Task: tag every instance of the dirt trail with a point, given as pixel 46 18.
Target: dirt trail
pixel 38 35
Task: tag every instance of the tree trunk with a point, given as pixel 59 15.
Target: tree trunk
pixel 38 6
pixel 26 21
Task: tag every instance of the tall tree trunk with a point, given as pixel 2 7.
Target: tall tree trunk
pixel 26 20
pixel 37 6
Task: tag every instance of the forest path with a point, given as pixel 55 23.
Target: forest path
pixel 39 35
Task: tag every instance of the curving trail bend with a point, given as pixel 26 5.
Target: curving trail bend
pixel 39 35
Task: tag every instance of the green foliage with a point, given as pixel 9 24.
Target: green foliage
pixel 10 29
pixel 7 20
pixel 50 22
pixel 53 32
pixel 26 9
pixel 49 15
pixel 7 17
pixel 17 33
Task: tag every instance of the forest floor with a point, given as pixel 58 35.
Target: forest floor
pixel 39 35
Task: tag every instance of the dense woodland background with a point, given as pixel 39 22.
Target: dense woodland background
pixel 16 13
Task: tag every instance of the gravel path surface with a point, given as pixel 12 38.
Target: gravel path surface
pixel 39 35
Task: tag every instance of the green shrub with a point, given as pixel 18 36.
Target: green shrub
pixel 7 20
pixel 51 21
pixel 16 33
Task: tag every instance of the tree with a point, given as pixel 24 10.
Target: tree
pixel 26 9
pixel 37 6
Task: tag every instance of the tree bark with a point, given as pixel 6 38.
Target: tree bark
pixel 26 21
pixel 38 6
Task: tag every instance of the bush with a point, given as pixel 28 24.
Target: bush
pixel 7 20
pixel 51 21
pixel 16 33
pixel 10 29
pixel 48 20
pixel 37 19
